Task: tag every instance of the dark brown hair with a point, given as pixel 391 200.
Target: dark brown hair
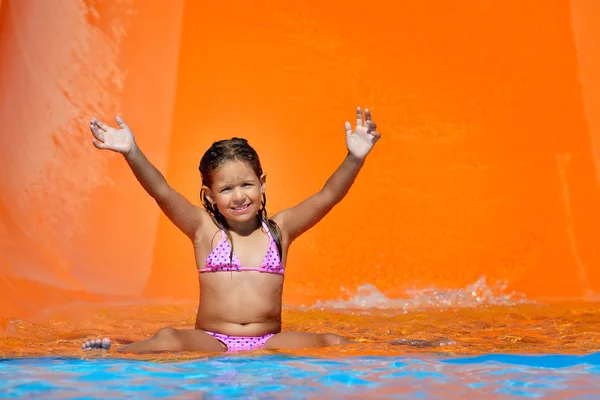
pixel 235 149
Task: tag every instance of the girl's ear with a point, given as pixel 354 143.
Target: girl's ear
pixel 209 194
pixel 263 183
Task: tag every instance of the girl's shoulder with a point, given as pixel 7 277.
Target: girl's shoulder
pixel 208 229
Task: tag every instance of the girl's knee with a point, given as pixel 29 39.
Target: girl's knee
pixel 331 339
pixel 169 336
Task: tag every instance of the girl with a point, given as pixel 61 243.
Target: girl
pixel 240 309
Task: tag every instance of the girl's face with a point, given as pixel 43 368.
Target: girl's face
pixel 236 191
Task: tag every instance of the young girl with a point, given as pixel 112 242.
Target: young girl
pixel 240 252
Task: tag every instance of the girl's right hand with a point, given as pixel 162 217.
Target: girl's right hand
pixel 106 137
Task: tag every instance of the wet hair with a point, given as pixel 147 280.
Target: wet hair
pixel 235 149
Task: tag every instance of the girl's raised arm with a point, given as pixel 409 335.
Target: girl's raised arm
pixel 296 220
pixel 185 215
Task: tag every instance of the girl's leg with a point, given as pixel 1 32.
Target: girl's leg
pixel 165 339
pixel 303 340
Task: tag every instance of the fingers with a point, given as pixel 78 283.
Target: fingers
pixel 121 123
pixel 359 117
pixel 368 123
pixel 100 124
pixel 96 130
pixel 371 126
pixel 376 136
pixel 348 128
pixel 98 144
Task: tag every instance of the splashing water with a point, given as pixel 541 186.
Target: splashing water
pixel 369 298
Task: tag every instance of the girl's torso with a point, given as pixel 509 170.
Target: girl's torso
pixel 243 297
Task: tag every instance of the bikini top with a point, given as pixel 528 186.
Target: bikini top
pixel 219 258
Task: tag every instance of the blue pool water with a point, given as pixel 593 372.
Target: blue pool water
pixel 290 377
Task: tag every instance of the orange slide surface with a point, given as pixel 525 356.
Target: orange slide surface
pixel 489 165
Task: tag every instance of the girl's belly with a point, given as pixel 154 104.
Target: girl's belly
pixel 246 303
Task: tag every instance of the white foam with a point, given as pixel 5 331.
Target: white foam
pixel 369 298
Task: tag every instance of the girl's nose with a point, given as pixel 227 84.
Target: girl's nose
pixel 238 194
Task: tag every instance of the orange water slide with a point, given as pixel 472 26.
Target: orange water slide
pixel 489 163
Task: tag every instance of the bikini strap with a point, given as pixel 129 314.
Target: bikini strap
pixel 266 228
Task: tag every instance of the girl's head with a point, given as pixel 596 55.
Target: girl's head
pixel 233 186
pixel 233 183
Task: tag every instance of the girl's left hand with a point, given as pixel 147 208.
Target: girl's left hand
pixel 361 141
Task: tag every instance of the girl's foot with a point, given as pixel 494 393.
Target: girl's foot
pixel 103 344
